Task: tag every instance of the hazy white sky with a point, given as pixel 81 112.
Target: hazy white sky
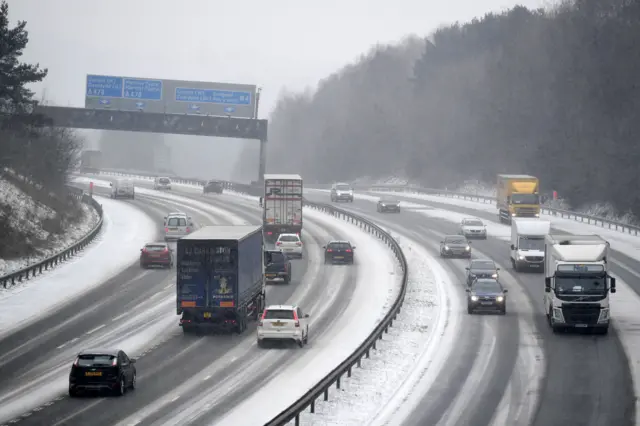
pixel 275 44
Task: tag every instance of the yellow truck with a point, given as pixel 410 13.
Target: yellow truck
pixel 517 196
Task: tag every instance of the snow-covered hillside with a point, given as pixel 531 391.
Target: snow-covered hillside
pixel 32 231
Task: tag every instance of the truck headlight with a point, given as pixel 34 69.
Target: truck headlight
pixel 467 248
pixel 513 215
pixel 520 257
pixel 446 247
pixel 500 299
pixel 604 315
pixel 537 214
pixel 494 276
pixel 557 315
pixel 474 298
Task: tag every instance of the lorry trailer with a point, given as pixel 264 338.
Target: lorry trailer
pixel 282 206
pixel 220 278
pixel 577 283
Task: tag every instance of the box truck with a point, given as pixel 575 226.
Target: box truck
pixel 220 282
pixel 527 243
pixel 577 283
pixel 517 196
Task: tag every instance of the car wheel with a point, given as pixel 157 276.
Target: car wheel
pixel 301 343
pixel 73 393
pixel 133 380
pixel 121 387
pixel 306 336
pixel 469 310
pixel 503 311
pixel 143 266
pixel 260 343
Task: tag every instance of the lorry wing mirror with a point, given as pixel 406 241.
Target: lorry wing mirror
pixel 612 284
pixel 497 269
pixel 467 290
pixel 306 315
pixel 547 285
pixel 110 183
pixel 441 242
pixel 505 290
pixel 513 247
pixel 324 247
pixel 353 247
pixel 467 268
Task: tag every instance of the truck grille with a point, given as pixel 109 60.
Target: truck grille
pixel 526 212
pixel 587 313
pixel 534 258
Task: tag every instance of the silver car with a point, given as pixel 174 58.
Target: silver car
pixel 177 226
pixel 455 246
pixel 162 183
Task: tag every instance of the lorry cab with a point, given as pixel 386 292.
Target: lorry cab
pixel 517 196
pixel 577 282
pixel 527 243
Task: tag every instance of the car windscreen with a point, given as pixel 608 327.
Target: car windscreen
pixel 176 221
pixel 472 223
pixel 343 187
pixel 156 248
pixel 487 287
pixel 339 246
pixel 164 180
pixel 289 238
pixel 388 201
pixel 279 314
pixel 455 240
pixel 482 264
pixel 95 360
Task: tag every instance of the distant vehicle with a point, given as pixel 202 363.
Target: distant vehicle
pixel 481 268
pixel 388 205
pixel 283 322
pixel 339 252
pixel 156 254
pixel 455 246
pixel 214 186
pixel 341 192
pixel 102 370
pixel 527 243
pixel 277 266
pixel 220 286
pixel 90 161
pixel 517 196
pixel 282 206
pixel 473 228
pixel 486 294
pixel 290 244
pixel 176 226
pixel 123 188
pixel 162 183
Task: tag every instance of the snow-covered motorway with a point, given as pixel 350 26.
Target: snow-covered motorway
pixel 585 379
pixel 190 379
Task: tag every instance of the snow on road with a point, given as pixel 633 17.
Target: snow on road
pixel 408 353
pixel 124 231
pixel 28 215
pixel 375 291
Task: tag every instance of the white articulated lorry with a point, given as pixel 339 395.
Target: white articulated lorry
pixel 577 282
pixel 282 206
pixel 527 243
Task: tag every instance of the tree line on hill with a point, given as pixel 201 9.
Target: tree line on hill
pixel 553 93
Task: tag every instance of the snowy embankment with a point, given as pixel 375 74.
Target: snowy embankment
pixel 125 230
pixel 28 217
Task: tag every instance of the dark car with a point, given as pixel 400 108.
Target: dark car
pixel 102 370
pixel 481 268
pixel 341 192
pixel 455 246
pixel 338 252
pixel 214 186
pixel 486 294
pixel 277 266
pixel 388 205
pixel 159 254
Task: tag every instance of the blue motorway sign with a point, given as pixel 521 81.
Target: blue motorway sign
pixel 149 90
pixel 212 96
pixel 103 86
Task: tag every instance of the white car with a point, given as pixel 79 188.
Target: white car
pixel 290 244
pixel 283 323
pixel 162 183
pixel 473 228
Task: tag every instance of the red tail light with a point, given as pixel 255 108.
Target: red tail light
pixel 188 229
pixel 264 314
pixel 299 243
pixel 296 319
pixel 269 233
pixel 114 362
pixel 145 251
pixel 75 363
pixel 166 250
pixel 166 229
pixel 329 250
pixel 278 243
pixel 348 250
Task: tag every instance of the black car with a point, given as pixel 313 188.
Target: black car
pixel 486 294
pixel 388 205
pixel 338 252
pixel 455 246
pixel 481 268
pixel 102 370
pixel 214 186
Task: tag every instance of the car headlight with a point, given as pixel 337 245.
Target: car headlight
pixel 494 276
pixel 537 214
pixel 513 215
pixel 500 299
pixel 474 298
pixel 446 247
pixel 383 205
pixel 520 257
pixel 467 248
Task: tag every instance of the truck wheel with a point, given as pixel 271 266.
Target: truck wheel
pixel 602 331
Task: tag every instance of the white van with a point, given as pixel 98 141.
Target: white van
pixel 176 226
pixel 527 243
pixel 123 188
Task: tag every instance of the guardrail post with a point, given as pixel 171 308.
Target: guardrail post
pixel 326 394
pixel 338 383
pixel 312 407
